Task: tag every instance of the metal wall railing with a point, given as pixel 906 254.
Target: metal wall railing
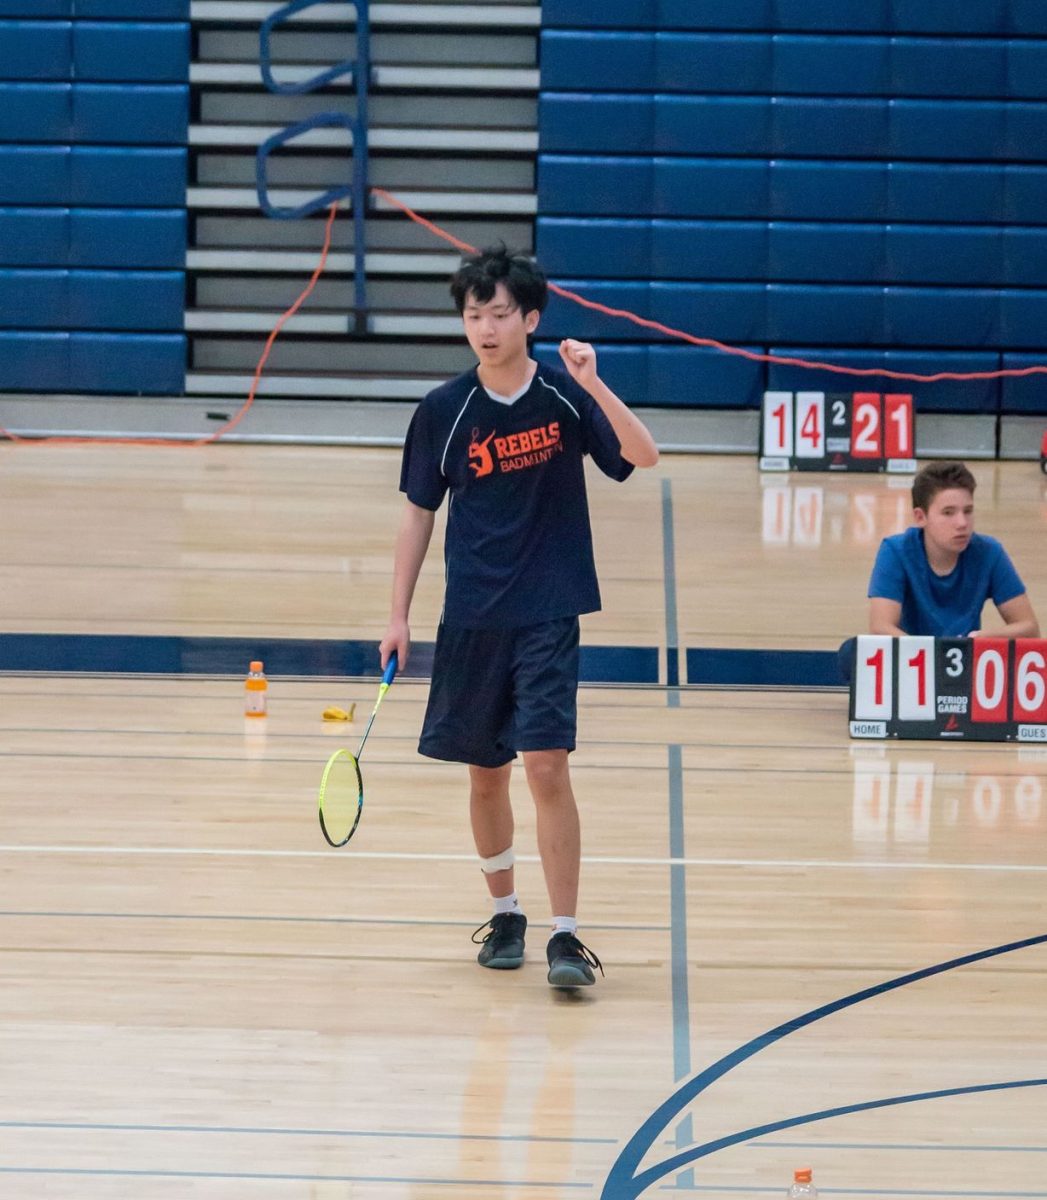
pixel 356 185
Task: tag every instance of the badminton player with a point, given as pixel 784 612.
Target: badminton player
pixel 507 441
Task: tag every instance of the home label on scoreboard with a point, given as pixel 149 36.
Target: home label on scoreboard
pixel 837 431
pixel 973 689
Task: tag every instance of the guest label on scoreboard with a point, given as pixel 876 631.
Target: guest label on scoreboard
pixel 838 431
pixel 978 689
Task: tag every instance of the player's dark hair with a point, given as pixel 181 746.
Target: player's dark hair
pixel 939 477
pixel 481 273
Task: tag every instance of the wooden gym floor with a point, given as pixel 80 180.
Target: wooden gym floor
pixel 201 1000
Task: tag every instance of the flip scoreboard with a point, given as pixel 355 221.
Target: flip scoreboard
pixel 975 689
pixel 837 431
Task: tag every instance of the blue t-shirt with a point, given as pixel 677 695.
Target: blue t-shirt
pixel 943 605
pixel 519 548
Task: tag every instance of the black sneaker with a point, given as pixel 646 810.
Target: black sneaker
pixel 503 944
pixel 570 963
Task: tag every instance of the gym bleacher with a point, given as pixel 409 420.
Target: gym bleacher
pixel 860 183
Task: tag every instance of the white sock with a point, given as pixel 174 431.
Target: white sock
pixel 504 904
pixel 565 925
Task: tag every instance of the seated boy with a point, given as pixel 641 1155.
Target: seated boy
pixel 935 578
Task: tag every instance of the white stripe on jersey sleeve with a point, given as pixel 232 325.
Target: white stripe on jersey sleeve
pixel 443 457
pixel 562 397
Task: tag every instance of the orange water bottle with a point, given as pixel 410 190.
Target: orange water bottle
pixel 803 1185
pixel 255 687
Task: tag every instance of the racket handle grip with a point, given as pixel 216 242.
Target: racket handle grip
pixel 390 670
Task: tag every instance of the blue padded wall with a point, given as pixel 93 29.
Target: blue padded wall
pixel 94 112
pixel 866 179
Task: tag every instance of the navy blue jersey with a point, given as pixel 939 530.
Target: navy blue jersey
pixel 519 546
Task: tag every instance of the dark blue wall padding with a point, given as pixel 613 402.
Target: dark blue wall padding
pixel 130 363
pixel 158 10
pixel 1028 17
pixel 658 14
pixel 132 300
pixel 93 237
pixel 710 187
pixel 949 16
pixel 957 129
pixel 840 315
pixel 734 125
pixel 109 114
pixel 120 176
pixel 811 128
pixel 675 376
pixel 34 237
pixel 697 377
pixel 1027 69
pixel 708 250
pixel 829 66
pixel 563 318
pixel 935 254
pixel 614 249
pixel 974 396
pixel 34 174
pixel 831 16
pixel 728 312
pixel 1026 131
pixel 948 67
pixel 153 51
pixel 62 299
pixel 1025 395
pixel 102 237
pixel 1024 257
pixel 34 362
pixel 981 396
pixel 35 112
pixel 35 49
pixel 621 125
pixel 37 9
pixel 622 368
pixel 593 186
pixel 942 192
pixel 34 299
pixel 1024 194
pixel 831 191
pixel 942 316
pixel 712 62
pixel 1023 318
pixel 813 251
pixel 586 60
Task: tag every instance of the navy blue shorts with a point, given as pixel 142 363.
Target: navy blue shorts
pixel 497 691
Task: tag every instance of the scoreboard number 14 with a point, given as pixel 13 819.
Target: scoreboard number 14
pixel 837 431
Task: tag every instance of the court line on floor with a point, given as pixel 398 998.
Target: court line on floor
pixel 116 1173
pixel 590 860
pixel 86 914
pixel 626 1181
pixel 276 1131
pixel 951 1148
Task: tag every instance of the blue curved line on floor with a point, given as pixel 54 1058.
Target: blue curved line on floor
pixel 622 1180
pixel 671 1165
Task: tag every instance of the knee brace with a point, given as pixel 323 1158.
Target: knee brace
pixel 498 862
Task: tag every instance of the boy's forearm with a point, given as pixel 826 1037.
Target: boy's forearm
pixel 412 543
pixel 638 447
